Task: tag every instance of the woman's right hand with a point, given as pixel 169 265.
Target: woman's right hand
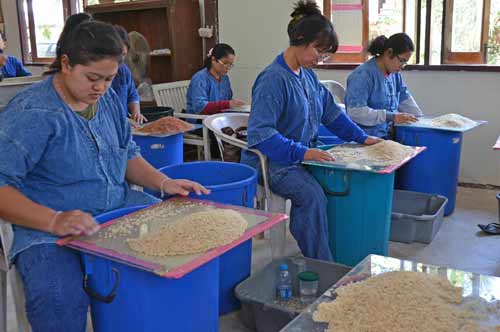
pixel 404 118
pixel 74 222
pixel 236 103
pixel 318 155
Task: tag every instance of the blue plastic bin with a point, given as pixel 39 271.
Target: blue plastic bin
pixel 161 151
pixel 230 183
pixel 434 171
pixel 146 302
pixel 359 211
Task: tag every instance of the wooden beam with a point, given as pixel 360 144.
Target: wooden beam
pixel 427 41
pixel 419 22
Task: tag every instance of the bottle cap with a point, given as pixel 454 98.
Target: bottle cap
pixel 308 276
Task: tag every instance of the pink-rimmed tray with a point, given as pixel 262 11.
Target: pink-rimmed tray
pixel 114 247
pixel 365 165
pixel 497 144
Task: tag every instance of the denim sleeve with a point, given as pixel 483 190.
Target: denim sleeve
pixel 133 150
pixel 281 149
pixel 199 93
pixel 331 110
pixel 406 102
pixel 359 85
pixel 24 137
pixel 410 106
pixel 267 105
pixel 20 69
pixel 347 130
pixel 132 95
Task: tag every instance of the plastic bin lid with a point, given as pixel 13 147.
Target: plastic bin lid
pixel 308 276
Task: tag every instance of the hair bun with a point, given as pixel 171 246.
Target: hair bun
pixel 305 8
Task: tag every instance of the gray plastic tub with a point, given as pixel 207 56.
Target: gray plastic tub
pixel 260 311
pixel 416 217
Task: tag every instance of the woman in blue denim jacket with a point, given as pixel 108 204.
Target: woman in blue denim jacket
pixel 376 94
pixel 288 105
pixel 67 155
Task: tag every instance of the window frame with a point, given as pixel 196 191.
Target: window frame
pixel 69 8
pixel 449 57
pixel 350 57
pixel 445 65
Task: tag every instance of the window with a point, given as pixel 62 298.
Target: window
pixel 444 31
pixel 41 22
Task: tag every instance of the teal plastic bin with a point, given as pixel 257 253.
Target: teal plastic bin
pixel 359 211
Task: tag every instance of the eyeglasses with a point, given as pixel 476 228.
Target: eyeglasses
pixel 402 62
pixel 227 65
pixel 322 56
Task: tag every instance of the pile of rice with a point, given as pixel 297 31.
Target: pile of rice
pixel 452 120
pixel 194 233
pixel 384 153
pixel 164 126
pixel 397 302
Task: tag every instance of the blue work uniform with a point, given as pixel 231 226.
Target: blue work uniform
pixel 58 159
pixel 372 99
pixel 292 106
pixel 13 67
pixel 205 88
pixel 124 86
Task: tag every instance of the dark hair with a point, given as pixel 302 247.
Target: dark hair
pixel 71 23
pixel 399 43
pixel 308 25
pixel 218 52
pixel 88 42
pixel 123 35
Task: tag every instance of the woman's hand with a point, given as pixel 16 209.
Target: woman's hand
pixel 236 103
pixel 404 118
pixel 372 140
pixel 138 118
pixel 74 222
pixel 183 187
pixel 318 155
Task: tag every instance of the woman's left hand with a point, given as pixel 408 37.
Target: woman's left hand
pixel 138 118
pixel 372 140
pixel 183 187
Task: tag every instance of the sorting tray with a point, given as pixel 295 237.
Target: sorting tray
pixel 487 289
pixel 363 165
pixel 425 122
pixel 116 248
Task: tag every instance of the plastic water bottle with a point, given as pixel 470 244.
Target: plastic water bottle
pixel 284 287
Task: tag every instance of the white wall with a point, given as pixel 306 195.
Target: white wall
pixel 257 31
pixel 9 9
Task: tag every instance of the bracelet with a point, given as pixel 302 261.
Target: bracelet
pixel 162 193
pixel 53 220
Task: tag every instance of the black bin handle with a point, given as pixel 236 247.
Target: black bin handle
pixel 103 298
pixel 347 182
